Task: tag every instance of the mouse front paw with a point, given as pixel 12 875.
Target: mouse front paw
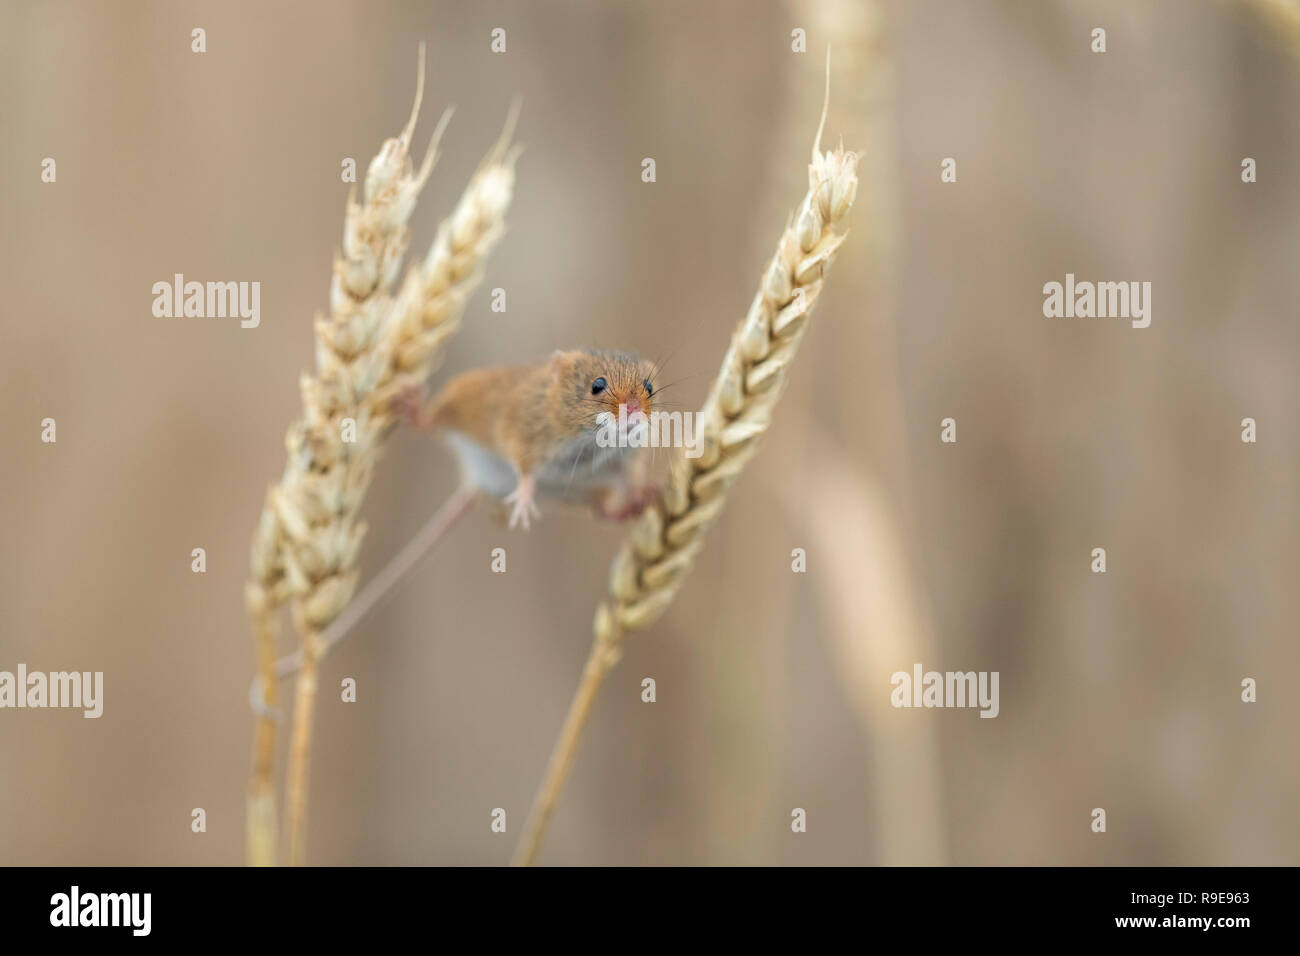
pixel 523 503
pixel 409 406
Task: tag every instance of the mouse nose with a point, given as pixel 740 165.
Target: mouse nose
pixel 633 405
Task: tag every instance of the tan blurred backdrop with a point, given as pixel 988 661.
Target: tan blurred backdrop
pixel 1118 691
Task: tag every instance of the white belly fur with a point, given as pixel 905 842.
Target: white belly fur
pixel 575 470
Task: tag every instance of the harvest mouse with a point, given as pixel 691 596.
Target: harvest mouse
pixel 525 434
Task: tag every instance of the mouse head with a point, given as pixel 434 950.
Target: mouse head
pixel 590 382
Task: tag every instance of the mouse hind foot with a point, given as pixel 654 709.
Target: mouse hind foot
pixel 624 503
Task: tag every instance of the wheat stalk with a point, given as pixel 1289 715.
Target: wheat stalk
pixel 661 548
pixel 1282 15
pixel 370 349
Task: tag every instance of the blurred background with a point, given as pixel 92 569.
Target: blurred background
pixel 1118 690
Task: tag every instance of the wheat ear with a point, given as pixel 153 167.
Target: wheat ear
pixel 375 236
pixel 422 320
pixel 661 548
pixel 368 350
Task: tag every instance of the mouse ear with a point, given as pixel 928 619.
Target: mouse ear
pixel 561 363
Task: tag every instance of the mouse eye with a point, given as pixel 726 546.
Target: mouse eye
pixel 649 389
pixel 599 385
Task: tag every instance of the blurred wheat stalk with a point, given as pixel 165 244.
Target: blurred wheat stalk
pixel 661 548
pixel 856 498
pixel 371 348
pixel 1283 16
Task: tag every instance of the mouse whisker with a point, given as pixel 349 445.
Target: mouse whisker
pixel 660 388
pixel 574 470
pixel 658 366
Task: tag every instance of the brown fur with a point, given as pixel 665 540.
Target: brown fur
pixel 529 413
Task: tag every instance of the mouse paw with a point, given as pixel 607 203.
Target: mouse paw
pixel 523 504
pixel 629 504
pixel 408 406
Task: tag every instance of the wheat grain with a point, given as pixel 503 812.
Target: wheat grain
pixel 369 349
pixel 661 548
pixel 375 236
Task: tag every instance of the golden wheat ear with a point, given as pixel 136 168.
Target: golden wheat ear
pixel 660 550
pixel 369 348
